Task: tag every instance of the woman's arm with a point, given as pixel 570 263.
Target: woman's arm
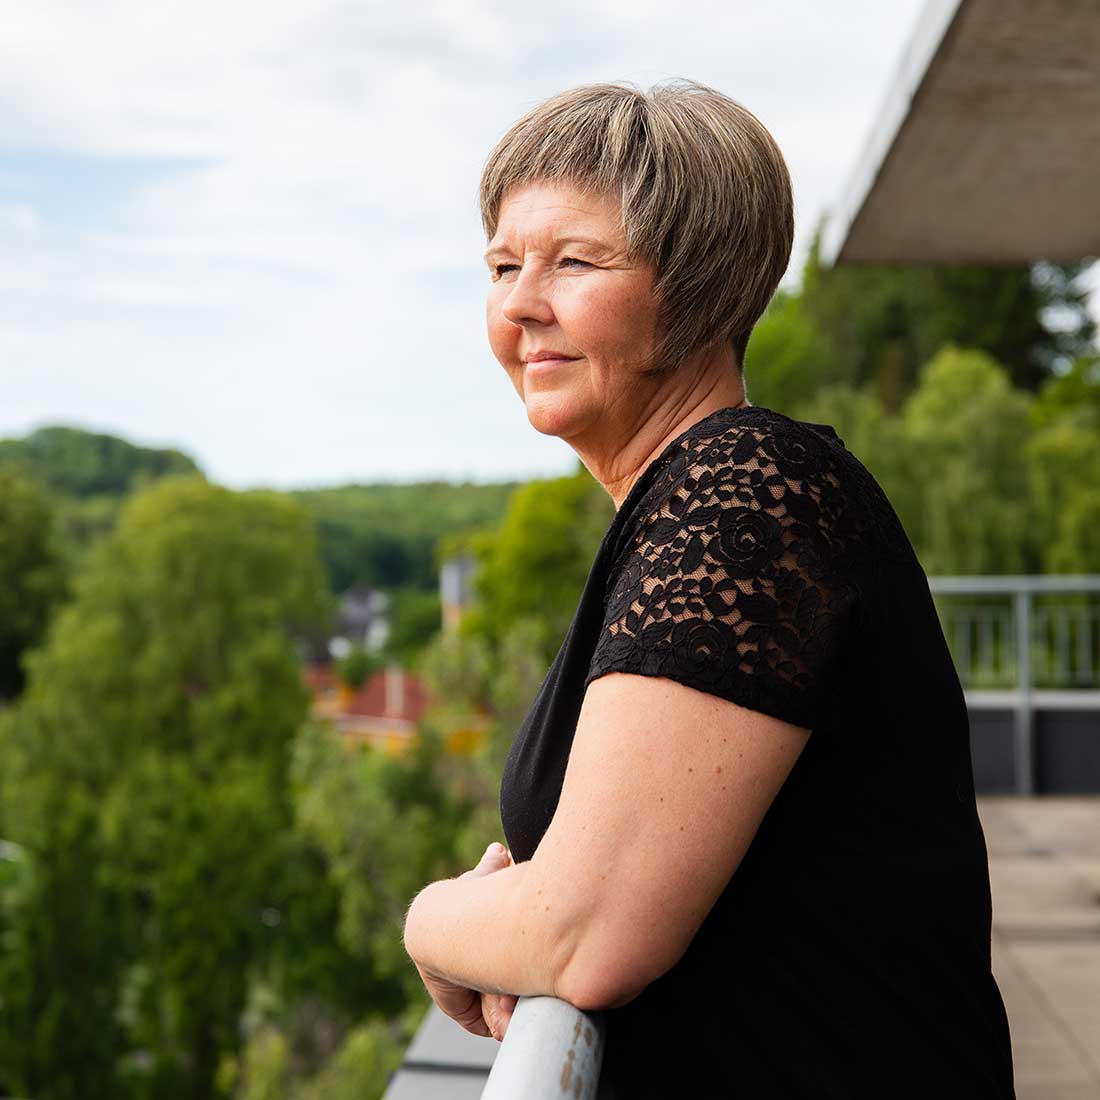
pixel 664 790
pixel 493 933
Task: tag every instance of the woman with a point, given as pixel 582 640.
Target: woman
pixel 741 808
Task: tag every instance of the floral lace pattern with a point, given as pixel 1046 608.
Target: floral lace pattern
pixel 748 566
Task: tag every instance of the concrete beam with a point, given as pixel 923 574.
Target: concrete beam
pixel 987 148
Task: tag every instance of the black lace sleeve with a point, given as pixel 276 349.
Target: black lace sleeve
pixel 740 578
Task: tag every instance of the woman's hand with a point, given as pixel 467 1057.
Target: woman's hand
pixel 485 1014
pixel 496 1008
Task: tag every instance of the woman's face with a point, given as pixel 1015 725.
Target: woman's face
pixel 561 282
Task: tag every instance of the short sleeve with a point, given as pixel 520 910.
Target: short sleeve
pixel 740 577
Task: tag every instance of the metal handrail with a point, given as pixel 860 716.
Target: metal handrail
pixel 1023 697
pixel 1017 582
pixel 551 1051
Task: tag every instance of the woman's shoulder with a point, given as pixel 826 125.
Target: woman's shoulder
pixel 751 459
pixel 768 483
pixel 745 571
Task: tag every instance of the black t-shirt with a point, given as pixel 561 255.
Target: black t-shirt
pixel 849 955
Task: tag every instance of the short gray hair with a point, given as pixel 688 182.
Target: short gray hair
pixel 705 193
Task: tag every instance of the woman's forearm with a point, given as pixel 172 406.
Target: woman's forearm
pixel 495 933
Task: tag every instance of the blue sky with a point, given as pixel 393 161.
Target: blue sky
pixel 257 239
pixel 70 191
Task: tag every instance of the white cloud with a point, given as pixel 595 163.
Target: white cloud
pixel 17 219
pixel 296 296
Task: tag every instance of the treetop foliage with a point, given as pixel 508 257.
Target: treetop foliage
pixel 84 464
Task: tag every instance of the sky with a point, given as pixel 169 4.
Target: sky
pixel 251 231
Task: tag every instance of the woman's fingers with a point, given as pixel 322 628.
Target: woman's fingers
pixel 496 858
pixel 477 1025
pixel 497 1008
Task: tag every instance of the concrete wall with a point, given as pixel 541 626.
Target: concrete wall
pixel 1066 752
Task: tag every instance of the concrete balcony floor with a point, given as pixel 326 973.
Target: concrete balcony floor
pixel 1044 865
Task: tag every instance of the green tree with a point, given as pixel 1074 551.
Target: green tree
pixel 1073 395
pixel 785 362
pixel 535 564
pixel 1076 545
pixel 61 940
pixel 164 700
pixel 966 429
pixel 385 535
pixel 388 825
pixel 361 1069
pixel 356 666
pixel 877 324
pixel 80 463
pixel 32 575
pixel 1063 468
pixel 266 1073
pixel 415 617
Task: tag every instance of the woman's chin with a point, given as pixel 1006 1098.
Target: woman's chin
pixel 552 413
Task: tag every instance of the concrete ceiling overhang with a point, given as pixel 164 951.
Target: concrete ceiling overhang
pixel 988 146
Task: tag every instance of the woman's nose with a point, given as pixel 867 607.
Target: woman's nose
pixel 527 298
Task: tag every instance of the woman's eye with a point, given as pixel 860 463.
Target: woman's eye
pixel 500 269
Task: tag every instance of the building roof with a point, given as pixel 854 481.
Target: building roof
pixel 987 147
pixel 391 693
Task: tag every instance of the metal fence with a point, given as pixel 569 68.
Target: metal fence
pixel 1024 644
